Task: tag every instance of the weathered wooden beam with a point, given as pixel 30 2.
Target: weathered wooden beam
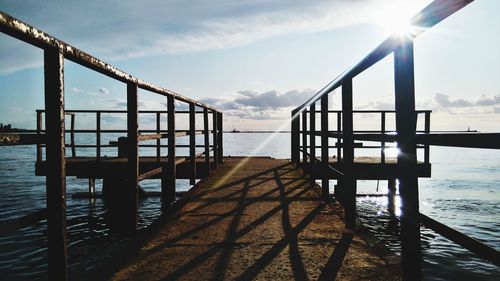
pixel 192 142
pixel 325 182
pixel 131 196
pixel 406 124
pixel 56 164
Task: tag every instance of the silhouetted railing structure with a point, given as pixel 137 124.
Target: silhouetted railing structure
pixel 346 169
pixel 56 168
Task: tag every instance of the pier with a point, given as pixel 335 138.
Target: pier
pixel 243 217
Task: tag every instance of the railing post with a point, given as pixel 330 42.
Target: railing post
pixel 339 139
pixel 382 129
pixel 312 138
pixel 158 141
pixel 304 136
pixel 98 135
pixel 219 137
pixel 72 135
pixel 192 142
pixel 427 130
pixel 56 164
pixel 295 136
pixel 206 137
pixel 39 133
pixel 325 183
pixel 349 180
pixel 407 160
pixel 130 204
pixel 169 170
pixel 215 126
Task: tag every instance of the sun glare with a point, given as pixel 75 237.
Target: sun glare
pixel 394 19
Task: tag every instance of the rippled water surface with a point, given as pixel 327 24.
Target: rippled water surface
pixel 463 194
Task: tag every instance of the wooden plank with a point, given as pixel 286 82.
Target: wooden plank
pixel 406 122
pixel 56 165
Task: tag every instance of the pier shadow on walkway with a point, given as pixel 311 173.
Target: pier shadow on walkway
pixel 263 221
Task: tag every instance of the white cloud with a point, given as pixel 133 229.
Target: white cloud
pixel 115 30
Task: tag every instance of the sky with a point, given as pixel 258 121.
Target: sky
pixel 255 59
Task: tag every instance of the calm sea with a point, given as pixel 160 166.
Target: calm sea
pixel 463 194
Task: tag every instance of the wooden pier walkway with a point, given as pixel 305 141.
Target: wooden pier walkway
pixel 256 218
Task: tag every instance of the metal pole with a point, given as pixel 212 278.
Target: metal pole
pixel 169 171
pixel 349 181
pixel 295 136
pixel 130 206
pixel 72 136
pixel 158 141
pixel 215 125
pixel 56 164
pixel 39 133
pixel 325 183
pixel 382 150
pixel 206 136
pixel 339 139
pixel 312 138
pixel 427 130
pixel 219 137
pixel 304 136
pixel 407 159
pixel 192 143
pixel 98 135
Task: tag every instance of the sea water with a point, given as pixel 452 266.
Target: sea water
pixel 462 194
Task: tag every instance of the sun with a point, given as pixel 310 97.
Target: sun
pixel 394 19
